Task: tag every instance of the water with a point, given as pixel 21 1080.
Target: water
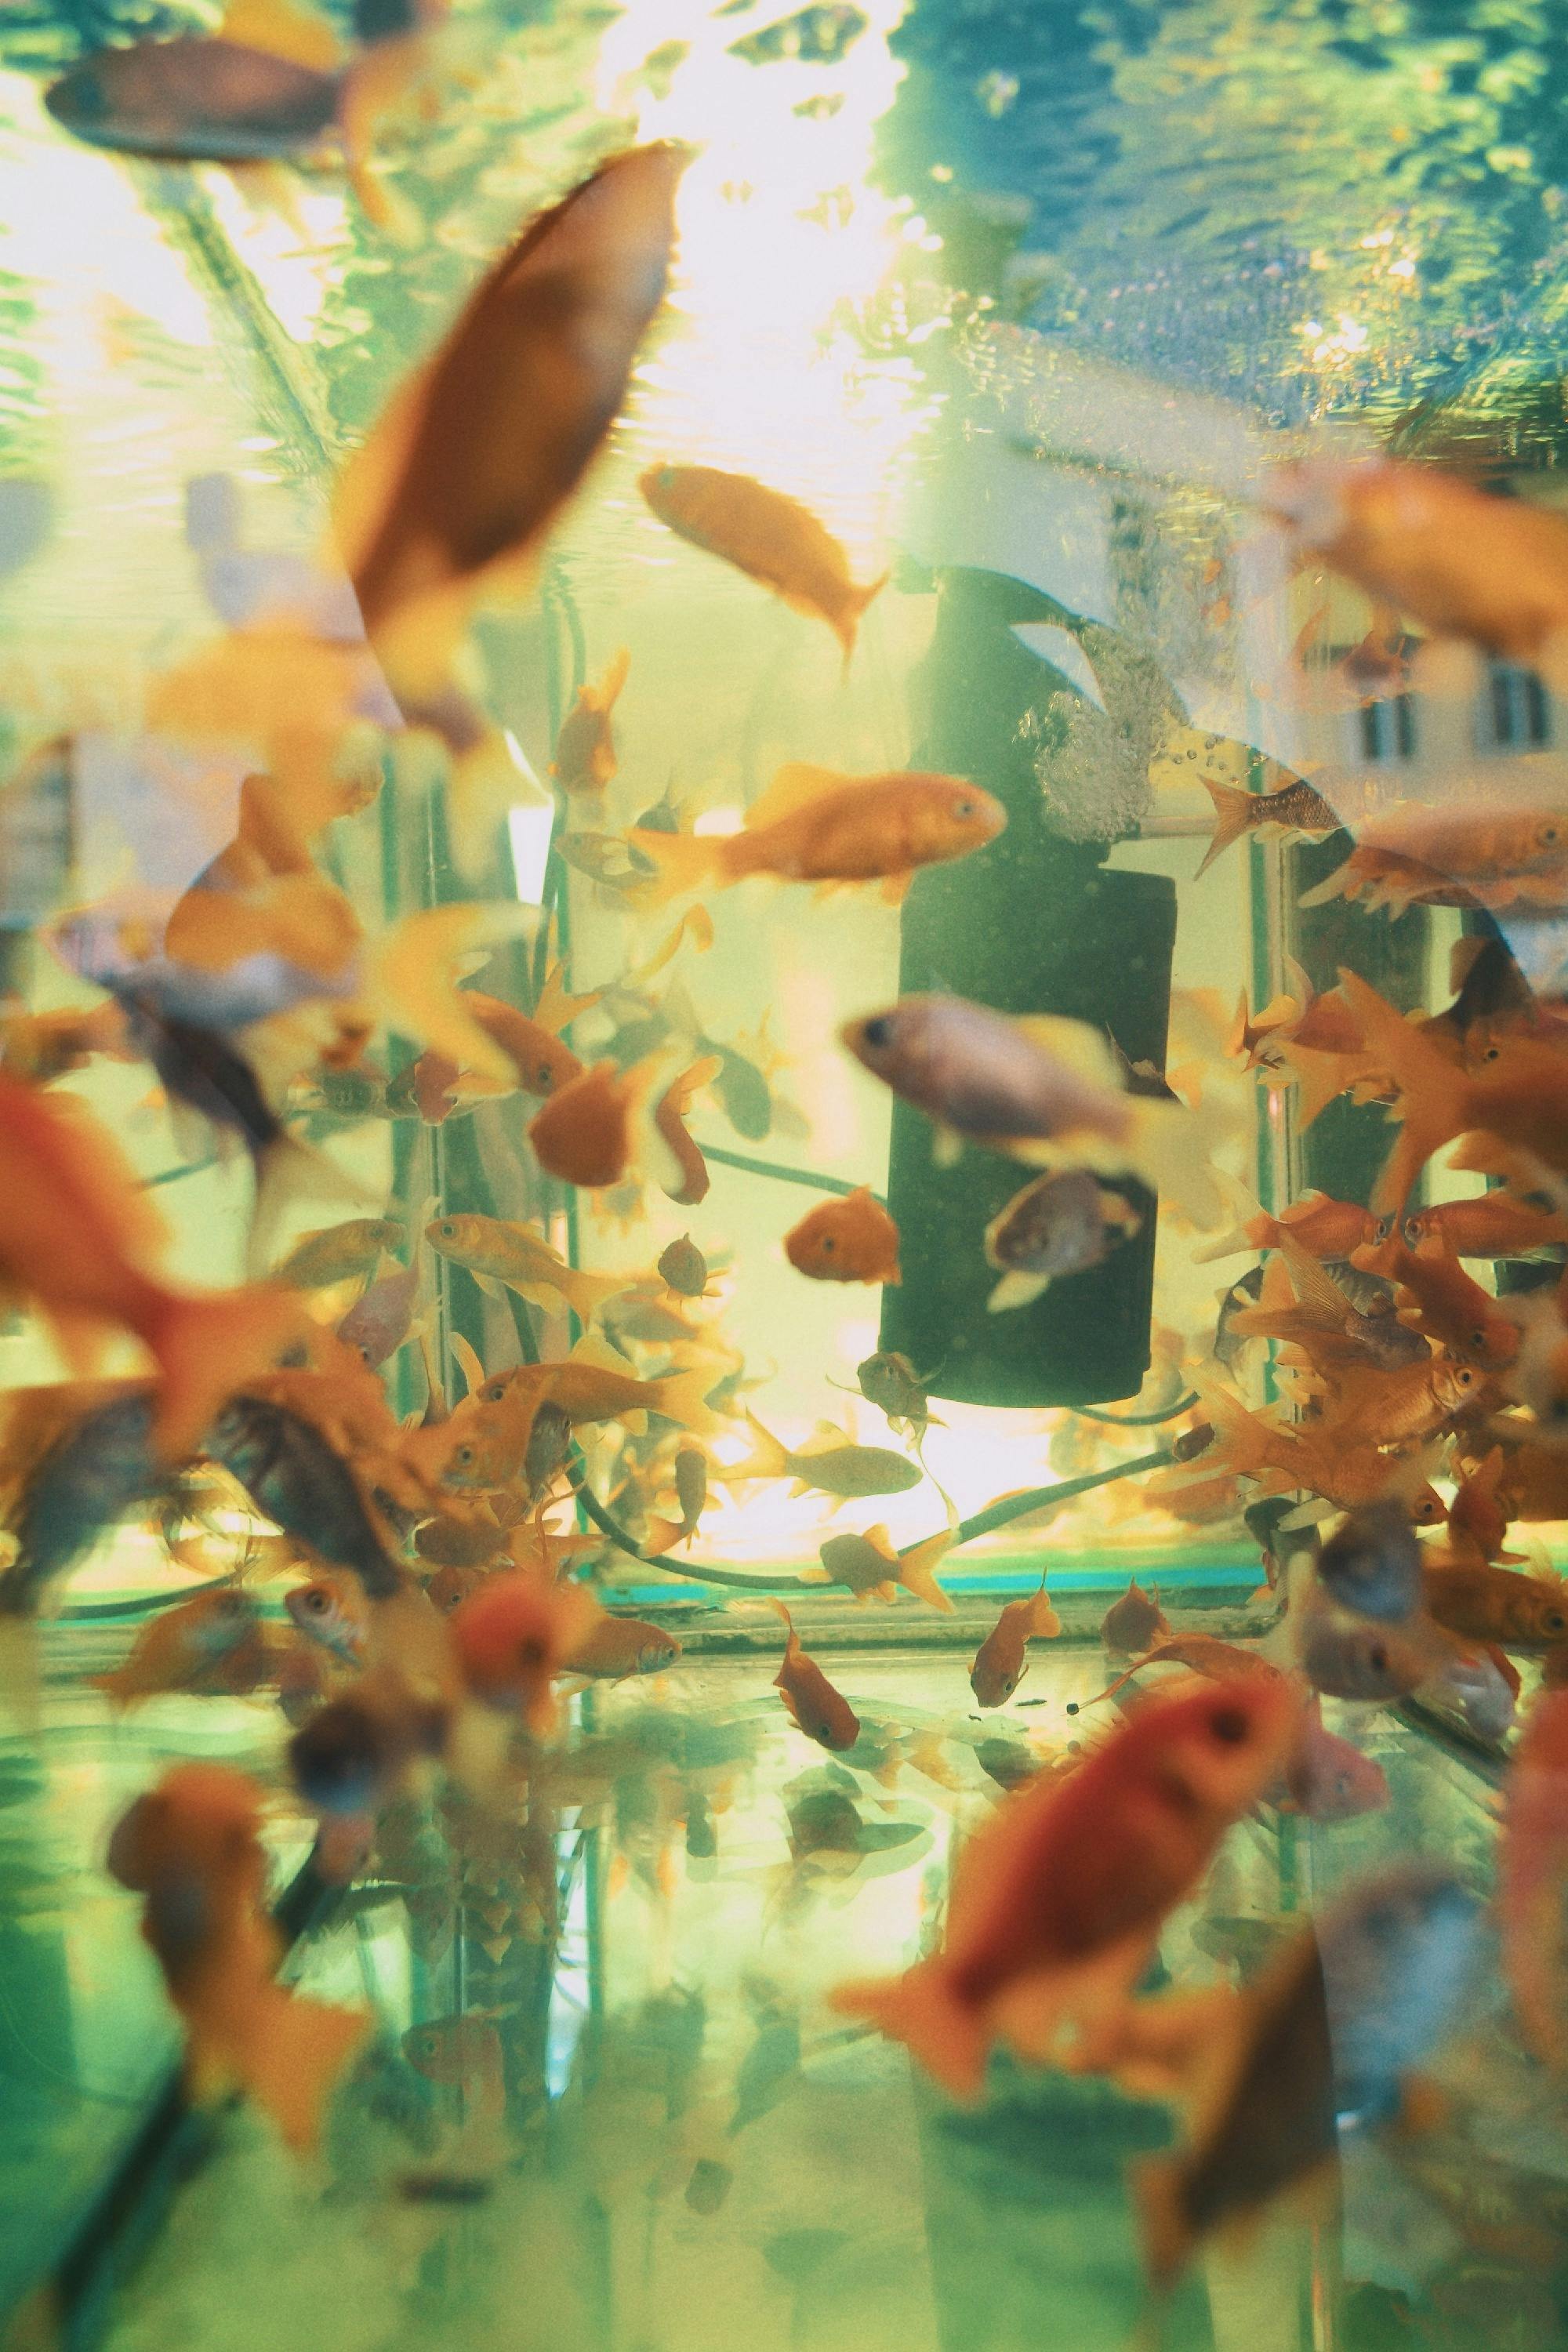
pixel 1019 302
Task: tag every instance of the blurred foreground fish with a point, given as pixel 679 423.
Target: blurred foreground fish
pixel 211 1643
pixel 514 1634
pixel 816 824
pixel 1371 1563
pixel 1039 1090
pixel 79 1239
pixel 1057 1898
pixel 1458 560
pixel 192 1849
pixel 376 1326
pixel 338 1253
pixel 773 539
pixel 467 469
pixel 1320 2044
pixel 1532 1871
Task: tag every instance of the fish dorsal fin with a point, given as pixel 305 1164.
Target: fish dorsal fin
pixel 881 1540
pixel 594 1349
pixel 794 786
pixel 1088 1051
pixel 282 30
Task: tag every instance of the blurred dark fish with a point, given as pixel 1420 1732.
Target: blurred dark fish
pixel 94 1475
pixel 378 1325
pixel 295 1479
pixel 1371 1563
pixel 195 100
pixel 683 1269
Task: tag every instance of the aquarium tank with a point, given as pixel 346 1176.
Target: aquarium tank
pixel 784 1175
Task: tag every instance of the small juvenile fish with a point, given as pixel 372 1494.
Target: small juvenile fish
pixel 212 1643
pixel 1532 1865
pixel 690 1489
pixel 814 1708
pixel 1323 2039
pixel 849 1240
pixel 1485 1605
pixel 1294 813
pixel 891 1383
pixel 1060 1896
pixel 462 2051
pixel 376 1325
pixel 1042 1090
pixel 1058 1225
pixel 78 1238
pixel 332 1611
pixel 847 1471
pixel 615 1647
pixel 516 1633
pixel 816 824
pixel 773 539
pixel 585 758
pixel 1001 1662
pixel 683 1269
pixel 874 1571
pixel 1134 1623
pixel 193 1848
pixel 496 1252
pixel 338 1253
pixel 1371 1563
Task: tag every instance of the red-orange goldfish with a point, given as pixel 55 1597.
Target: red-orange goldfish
pixel 193 1847
pixel 1057 1899
pixel 213 1642
pixel 1499 1604
pixel 615 1647
pixel 1133 1624
pixel 587 1133
pixel 1000 1663
pixel 850 1239
pixel 1323 1228
pixel 1532 1865
pixel 585 758
pixel 1438 1298
pixel 773 539
pixel 77 1237
pixel 823 1712
pixel 674 1162
pixel 1492 1224
pixel 874 1571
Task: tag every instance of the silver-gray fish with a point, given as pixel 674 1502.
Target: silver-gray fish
pixel 1371 1563
pixel 1061 1224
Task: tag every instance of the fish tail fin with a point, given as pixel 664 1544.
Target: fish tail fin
pixel 1246 1211
pixel 1245 1442
pixel 1232 815
pixel 1044 1623
pixel 915 1570
pixel 608 693
pixel 920 2009
pixel 1432 1105
pixel 847 625
pixel 586 1293
pixel 681 862
pixel 1166 2231
pixel 1171 1151
pixel 204 1347
pixel 683 1397
pixel 1016 1289
pixel 292 2058
pixel 767 1459
pixel 1319 1077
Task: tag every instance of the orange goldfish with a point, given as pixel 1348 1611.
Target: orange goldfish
pixel 212 1643
pixel 485 1443
pixel 678 1169
pixel 513 1634
pixel 1438 1298
pixel 1521 1098
pixel 814 824
pixel 37 1046
pixel 193 1848
pixel 1532 1865
pixel 615 1647
pixel 873 1570
pixel 76 1236
pixel 451 490
pixel 1202 1653
pixel 1390 878
pixel 1492 1224
pixel 496 1252
pixel 1497 1604
pixel 848 1240
pixel 771 538
pixel 587 1134
pixel 1478 1523
pixel 1323 1228
pixel 463 2052
pixel 332 1610
pixel 1001 1662
pixel 813 1706
pixel 1401 1405
pixel 1284 1458
pixel 1130 1624
pixel 1458 560
pixel 1057 1899
pixel 585 758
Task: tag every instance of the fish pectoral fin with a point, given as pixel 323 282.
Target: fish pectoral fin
pixel 1083 1048
pixel 490 1285
pixel 947 1146
pixel 896 886
pixel 794 786
pixel 1016 1290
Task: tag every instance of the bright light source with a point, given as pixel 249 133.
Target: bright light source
pixel 529 823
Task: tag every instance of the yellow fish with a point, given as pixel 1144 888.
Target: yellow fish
pixel 496 1252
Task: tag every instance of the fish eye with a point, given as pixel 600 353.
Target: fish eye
pixel 965 809
pixel 1559 1408
pixel 1557 1622
pixel 879 1032
pixel 1228 1724
pixel 448 1229
pixel 530 1651
pixel 427 2045
pixel 1377 1658
pixel 1465 1377
pixel 462 1455
pixel 1547 837
pixel 316 1602
pixel 1381 1229
pixel 828 1243
pixel 543 1077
